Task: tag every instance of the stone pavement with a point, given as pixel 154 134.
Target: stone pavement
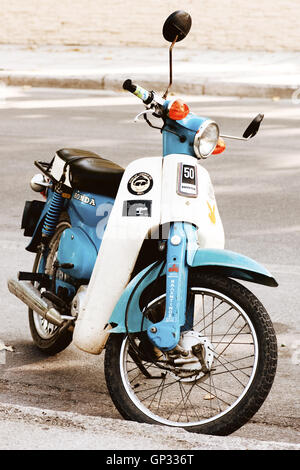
pixel 244 74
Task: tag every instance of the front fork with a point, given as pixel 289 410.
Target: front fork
pixel 166 333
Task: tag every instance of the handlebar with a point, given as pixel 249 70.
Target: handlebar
pixel 148 97
pixel 140 92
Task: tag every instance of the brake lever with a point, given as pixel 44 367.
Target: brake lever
pixel 143 113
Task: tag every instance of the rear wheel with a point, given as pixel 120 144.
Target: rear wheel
pixel 220 384
pixel 49 338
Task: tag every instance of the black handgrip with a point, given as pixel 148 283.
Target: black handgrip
pixel 144 95
pixel 129 86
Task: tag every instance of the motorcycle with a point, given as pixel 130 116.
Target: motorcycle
pixel 133 261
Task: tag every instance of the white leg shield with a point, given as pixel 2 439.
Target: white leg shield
pixel 135 212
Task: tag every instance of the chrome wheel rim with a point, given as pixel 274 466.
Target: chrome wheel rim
pixel 169 399
pixel 44 329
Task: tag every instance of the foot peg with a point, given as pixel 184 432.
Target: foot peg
pixel 42 278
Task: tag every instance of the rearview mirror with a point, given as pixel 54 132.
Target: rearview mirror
pixel 251 130
pixel 253 127
pixel 176 27
pixel 178 24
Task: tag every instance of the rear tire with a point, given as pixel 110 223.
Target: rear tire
pixel 218 402
pixel 49 338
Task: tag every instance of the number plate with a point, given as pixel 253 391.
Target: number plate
pixel 187 180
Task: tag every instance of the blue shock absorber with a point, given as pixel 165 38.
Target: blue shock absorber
pixel 53 214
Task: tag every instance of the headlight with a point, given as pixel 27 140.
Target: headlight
pixel 206 139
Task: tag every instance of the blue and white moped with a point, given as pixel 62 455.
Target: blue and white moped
pixel 133 261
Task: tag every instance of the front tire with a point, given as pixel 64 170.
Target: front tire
pixel 218 401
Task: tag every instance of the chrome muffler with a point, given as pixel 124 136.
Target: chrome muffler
pixel 31 296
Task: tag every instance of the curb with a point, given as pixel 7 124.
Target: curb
pixel 122 434
pixel 110 82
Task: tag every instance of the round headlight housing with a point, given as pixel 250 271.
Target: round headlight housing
pixel 206 139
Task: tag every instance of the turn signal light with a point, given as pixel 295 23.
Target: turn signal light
pixel 220 147
pixel 178 110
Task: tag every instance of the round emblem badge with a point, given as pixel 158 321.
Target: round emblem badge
pixel 140 183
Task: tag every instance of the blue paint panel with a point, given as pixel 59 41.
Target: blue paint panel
pixel 132 295
pixel 185 128
pixel 77 248
pixel 192 122
pixel 90 212
pixel 172 143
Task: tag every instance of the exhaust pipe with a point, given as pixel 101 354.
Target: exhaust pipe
pixel 31 296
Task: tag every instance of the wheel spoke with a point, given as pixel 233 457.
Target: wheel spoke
pixel 184 394
pixel 231 341
pixel 231 372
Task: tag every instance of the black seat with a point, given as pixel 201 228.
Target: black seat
pixel 89 172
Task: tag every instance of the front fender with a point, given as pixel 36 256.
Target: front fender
pixel 127 315
pixel 231 264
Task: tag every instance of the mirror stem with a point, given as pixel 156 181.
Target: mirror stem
pixel 170 68
pixel 233 137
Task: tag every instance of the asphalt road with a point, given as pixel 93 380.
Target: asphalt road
pixel 257 190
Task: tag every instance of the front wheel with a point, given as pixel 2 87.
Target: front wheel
pixel 215 396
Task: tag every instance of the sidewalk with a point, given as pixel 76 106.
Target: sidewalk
pixel 28 428
pixel 243 74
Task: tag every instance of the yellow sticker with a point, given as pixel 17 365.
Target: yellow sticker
pixel 212 214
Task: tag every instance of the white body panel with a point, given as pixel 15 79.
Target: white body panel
pixel 118 252
pixel 57 170
pixel 124 236
pixel 201 210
